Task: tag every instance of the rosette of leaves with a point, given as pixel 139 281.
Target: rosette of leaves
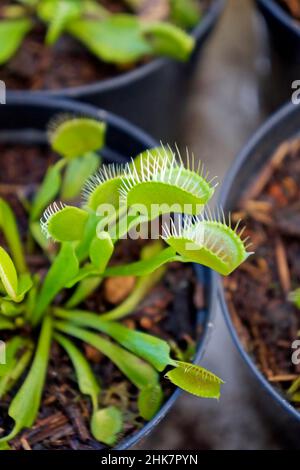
pixel 142 30
pixel 31 308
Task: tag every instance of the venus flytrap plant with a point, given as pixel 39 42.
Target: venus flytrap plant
pixel 115 38
pixel 88 237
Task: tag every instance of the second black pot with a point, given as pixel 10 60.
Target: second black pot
pixel 284 29
pixel 151 96
pixel 285 124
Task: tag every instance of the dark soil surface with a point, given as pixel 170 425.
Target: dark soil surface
pixel 257 293
pixel 66 64
pixel 168 311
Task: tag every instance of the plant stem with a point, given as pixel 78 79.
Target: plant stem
pixel 143 286
pixel 83 290
pixel 138 372
pixel 145 266
pixel 10 379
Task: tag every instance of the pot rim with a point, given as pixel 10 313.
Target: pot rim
pixel 121 81
pixel 281 15
pixel 205 315
pixel 242 157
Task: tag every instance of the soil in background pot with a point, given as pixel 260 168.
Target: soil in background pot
pixel 168 311
pixel 66 64
pixel 257 294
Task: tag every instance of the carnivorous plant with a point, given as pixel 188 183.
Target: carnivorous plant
pixel 78 241
pixel 118 38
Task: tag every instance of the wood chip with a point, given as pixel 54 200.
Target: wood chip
pixel 78 422
pixel 116 289
pixel 146 323
pixel 283 377
pixel 282 266
pixel 265 175
pixel 25 444
pixel 92 354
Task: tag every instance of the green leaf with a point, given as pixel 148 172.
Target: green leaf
pixel 12 347
pixel 87 382
pixel 185 13
pixel 5 446
pixel 84 289
pixel 168 40
pixel 90 230
pixel 101 250
pixel 47 190
pixel 195 379
pixel 58 13
pixel 294 391
pixel 138 372
pixel 10 230
pixel 25 405
pixel 77 172
pixel 6 324
pixel 24 286
pixel 12 33
pixel 86 272
pixel 30 303
pixel 106 425
pixel 117 39
pixel 149 401
pixel 18 355
pixel 64 224
pixel 153 350
pixel 143 267
pixel 74 137
pixel 10 309
pixel 64 268
pixel 8 275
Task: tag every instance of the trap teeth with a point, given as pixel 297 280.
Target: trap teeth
pixel 51 210
pixel 207 241
pixel 160 175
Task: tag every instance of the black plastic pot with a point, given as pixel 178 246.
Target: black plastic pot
pixel 283 55
pixel 150 96
pixel 283 28
pixel 283 125
pixel 24 119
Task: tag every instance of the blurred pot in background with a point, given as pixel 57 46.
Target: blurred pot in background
pixel 134 91
pixel 263 187
pixel 282 18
